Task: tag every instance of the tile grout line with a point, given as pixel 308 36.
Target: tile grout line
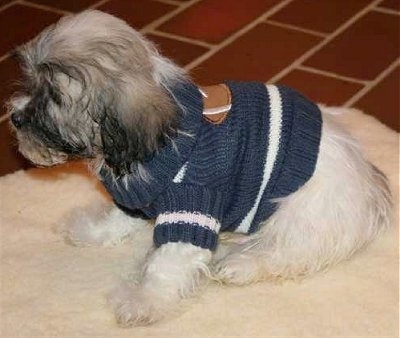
pixel 2 8
pixel 386 11
pixel 154 24
pixel 170 2
pixel 180 38
pixel 372 84
pixel 43 7
pixel 296 28
pixel 5 56
pixel 238 34
pixel 332 75
pixel 4 118
pixel 98 3
pixel 324 42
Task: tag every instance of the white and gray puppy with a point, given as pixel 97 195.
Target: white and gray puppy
pixel 97 89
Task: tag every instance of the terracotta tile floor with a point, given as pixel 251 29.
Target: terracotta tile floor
pixel 339 52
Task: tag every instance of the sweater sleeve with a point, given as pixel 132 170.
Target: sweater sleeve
pixel 190 214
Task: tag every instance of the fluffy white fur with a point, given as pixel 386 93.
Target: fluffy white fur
pixel 337 212
pixel 343 207
pixel 171 273
pixel 103 225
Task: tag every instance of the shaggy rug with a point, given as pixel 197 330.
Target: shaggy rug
pixel 51 289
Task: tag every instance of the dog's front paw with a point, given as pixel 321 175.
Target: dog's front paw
pixel 136 306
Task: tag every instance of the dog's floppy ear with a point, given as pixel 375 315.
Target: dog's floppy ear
pixel 122 144
pixel 134 128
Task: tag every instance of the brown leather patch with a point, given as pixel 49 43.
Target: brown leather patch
pixel 217 96
pixel 216 118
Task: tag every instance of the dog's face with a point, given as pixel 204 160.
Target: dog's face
pixel 54 117
pixel 93 88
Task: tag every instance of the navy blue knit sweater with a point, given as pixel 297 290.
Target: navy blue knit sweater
pixel 223 177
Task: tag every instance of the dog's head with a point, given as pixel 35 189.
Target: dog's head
pixel 93 88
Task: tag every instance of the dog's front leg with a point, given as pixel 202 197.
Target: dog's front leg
pixel 172 272
pixel 101 225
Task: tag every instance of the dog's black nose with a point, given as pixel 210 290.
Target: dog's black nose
pixel 17 120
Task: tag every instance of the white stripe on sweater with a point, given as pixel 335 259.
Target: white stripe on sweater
pixel 275 127
pixel 189 218
pixel 181 174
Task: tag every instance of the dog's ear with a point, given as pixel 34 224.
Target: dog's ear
pixel 121 144
pixel 133 132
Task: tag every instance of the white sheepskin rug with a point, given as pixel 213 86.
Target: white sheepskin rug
pixel 52 289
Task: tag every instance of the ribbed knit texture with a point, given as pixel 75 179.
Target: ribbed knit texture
pixel 224 176
pixel 197 212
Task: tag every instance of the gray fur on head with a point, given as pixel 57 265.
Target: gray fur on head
pixel 95 88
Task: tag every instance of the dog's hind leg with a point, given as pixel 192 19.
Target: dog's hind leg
pixel 343 207
pixel 101 225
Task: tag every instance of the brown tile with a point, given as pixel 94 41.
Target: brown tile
pixel 67 5
pixel 4 2
pixel 180 52
pixel 34 20
pixel 320 88
pixel 11 160
pixel 391 4
pixel 363 50
pixel 214 20
pixel 257 55
pixel 323 16
pixel 137 13
pixel 9 74
pixel 383 100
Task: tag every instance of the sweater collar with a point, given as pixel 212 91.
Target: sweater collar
pixel 164 165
